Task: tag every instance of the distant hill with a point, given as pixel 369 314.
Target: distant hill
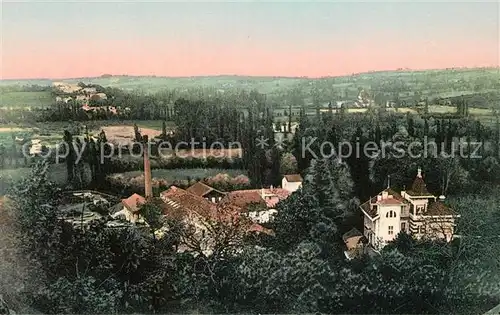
pixel 401 83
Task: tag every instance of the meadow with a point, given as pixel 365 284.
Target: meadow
pixel 51 133
pixel 182 173
pixel 25 100
pixel 57 173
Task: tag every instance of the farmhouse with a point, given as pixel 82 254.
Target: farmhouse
pixel 292 182
pixel 128 209
pixel 415 211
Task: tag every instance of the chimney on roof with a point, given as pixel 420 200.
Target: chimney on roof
pixel 419 173
pixel 385 195
pixel 148 188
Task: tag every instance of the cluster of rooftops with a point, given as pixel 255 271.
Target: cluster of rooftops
pixel 207 202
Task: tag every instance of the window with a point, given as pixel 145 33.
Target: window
pixel 422 229
pixel 420 209
pixel 403 226
pixel 390 214
pixel 391 230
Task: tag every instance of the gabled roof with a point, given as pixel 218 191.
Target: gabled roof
pixel 241 199
pixel 133 202
pixel 354 232
pixel 180 202
pixel 201 189
pixel 294 178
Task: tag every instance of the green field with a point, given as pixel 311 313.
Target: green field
pixel 25 99
pixel 431 83
pixel 52 132
pixel 56 172
pixel 182 174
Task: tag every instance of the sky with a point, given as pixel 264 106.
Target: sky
pixel 41 39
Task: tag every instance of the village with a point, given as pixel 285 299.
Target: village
pixel 415 212
pixel 249 158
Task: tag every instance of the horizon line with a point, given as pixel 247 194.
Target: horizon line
pixel 259 76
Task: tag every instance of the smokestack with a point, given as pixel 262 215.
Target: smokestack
pixel 148 188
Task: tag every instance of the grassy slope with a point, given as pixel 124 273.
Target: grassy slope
pixel 271 85
pixel 57 173
pixel 25 99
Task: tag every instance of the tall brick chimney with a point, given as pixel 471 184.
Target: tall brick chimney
pixel 148 188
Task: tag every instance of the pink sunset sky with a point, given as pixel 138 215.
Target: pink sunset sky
pixel 311 39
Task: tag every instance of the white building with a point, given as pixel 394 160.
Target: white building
pixel 36 147
pixel 415 211
pixel 128 209
pixel 291 182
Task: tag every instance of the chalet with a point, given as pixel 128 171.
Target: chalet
pixel 205 191
pixel 415 211
pixel 291 182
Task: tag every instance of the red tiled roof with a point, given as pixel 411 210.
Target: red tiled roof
pixel 180 203
pixel 201 189
pixel 280 192
pixel 293 178
pixel 395 200
pixel 133 202
pixel 241 199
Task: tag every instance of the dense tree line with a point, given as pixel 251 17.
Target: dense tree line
pixel 454 153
